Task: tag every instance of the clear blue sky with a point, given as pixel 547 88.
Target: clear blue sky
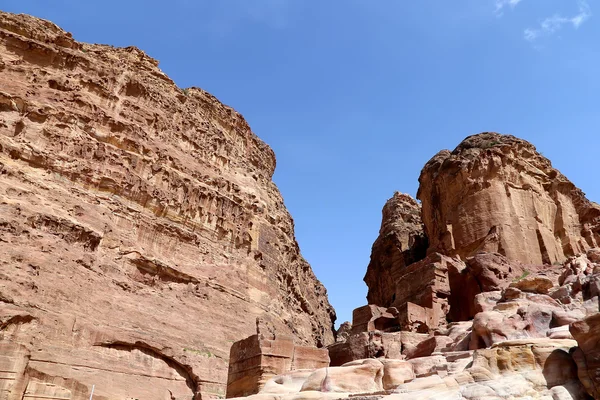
pixel 355 96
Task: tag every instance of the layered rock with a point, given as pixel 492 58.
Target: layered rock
pixel 587 355
pixel 528 369
pixel 140 233
pixel 401 242
pixel 255 360
pixel 496 193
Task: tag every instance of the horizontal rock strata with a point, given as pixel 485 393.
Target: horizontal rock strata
pixel 140 231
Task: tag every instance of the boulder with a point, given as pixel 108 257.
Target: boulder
pixel 290 382
pixel 396 372
pixel 370 318
pixel 139 224
pixel 255 362
pixel 587 356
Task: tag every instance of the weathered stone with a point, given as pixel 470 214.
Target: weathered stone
pixel 290 382
pixel 255 360
pixel 411 340
pixel 429 346
pixel 401 242
pixel 361 377
pixel 496 193
pixel 343 332
pixel 370 318
pixel 424 284
pixel 396 372
pixel 534 284
pixel 366 345
pixel 139 222
pixel 487 301
pixel 587 356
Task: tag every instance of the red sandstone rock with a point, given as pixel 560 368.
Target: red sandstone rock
pixel 139 226
pixel 401 242
pixel 366 345
pixel 587 356
pixel 496 193
pixel 370 318
pixel 426 285
pixel 254 361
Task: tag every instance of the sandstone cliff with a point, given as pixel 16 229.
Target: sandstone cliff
pixel 496 193
pixel 511 273
pixel 140 231
pixel 401 242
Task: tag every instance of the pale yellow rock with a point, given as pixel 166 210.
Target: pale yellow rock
pixel 426 383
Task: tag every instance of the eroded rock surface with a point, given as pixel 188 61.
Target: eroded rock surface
pixel 140 231
pixel 511 277
pixel 401 242
pixel 587 356
pixel 496 193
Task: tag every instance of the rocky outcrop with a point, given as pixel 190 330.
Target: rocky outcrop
pixel 140 231
pixel 496 193
pixel 527 369
pixel 587 355
pixel 255 360
pixel 509 279
pixel 520 344
pixel 401 242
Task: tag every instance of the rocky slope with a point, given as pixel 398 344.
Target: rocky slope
pixel 496 193
pixel 140 231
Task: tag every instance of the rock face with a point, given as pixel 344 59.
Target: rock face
pixel 529 369
pixel 487 311
pixel 496 193
pixel 255 360
pixel 587 356
pixel 140 232
pixel 401 242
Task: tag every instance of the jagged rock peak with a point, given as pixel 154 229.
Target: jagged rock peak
pixel 496 193
pixel 401 242
pixel 140 231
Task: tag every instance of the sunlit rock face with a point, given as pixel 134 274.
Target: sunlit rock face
pixel 140 231
pixel 401 242
pixel 509 277
pixel 496 193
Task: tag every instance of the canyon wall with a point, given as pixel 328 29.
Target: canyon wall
pixel 496 193
pixel 140 231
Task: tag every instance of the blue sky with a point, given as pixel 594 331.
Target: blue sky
pixel 355 96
